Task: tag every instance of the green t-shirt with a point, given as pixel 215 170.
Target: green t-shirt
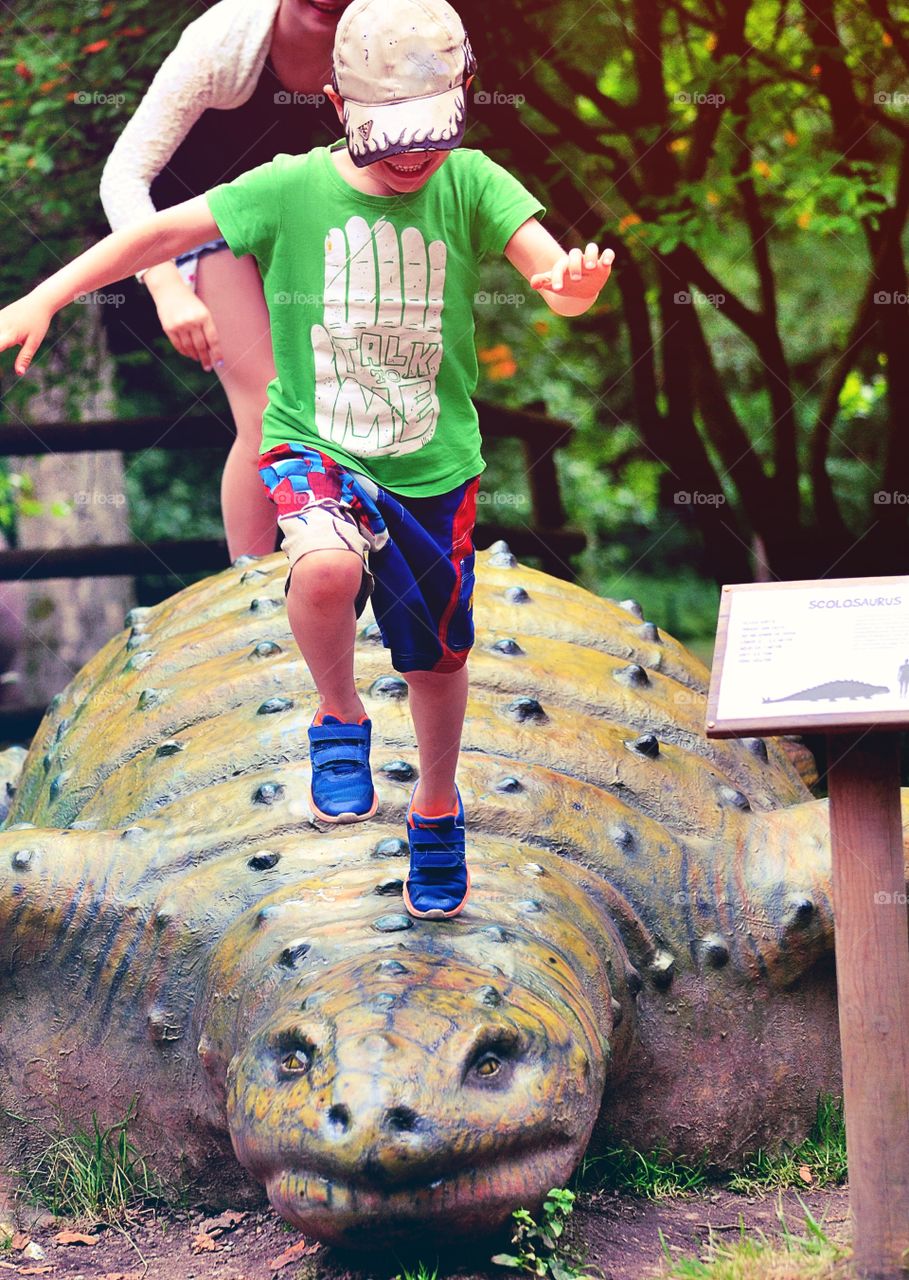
pixel 371 305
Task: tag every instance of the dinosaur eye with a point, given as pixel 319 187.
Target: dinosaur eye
pixel 296 1057
pixel 492 1057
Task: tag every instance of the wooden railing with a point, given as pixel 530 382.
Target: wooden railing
pixel 543 535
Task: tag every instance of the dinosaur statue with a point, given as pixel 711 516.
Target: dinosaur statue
pixel 647 953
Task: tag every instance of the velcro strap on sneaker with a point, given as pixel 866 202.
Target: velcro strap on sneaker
pixel 431 849
pixel 343 752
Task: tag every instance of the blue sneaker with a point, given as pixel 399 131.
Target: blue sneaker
pixel 438 883
pixel 341 789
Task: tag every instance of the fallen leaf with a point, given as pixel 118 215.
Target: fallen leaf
pixel 805 1173
pixel 75 1237
pixel 36 1271
pixel 227 1221
pixel 204 1243
pixel 19 1241
pixel 298 1250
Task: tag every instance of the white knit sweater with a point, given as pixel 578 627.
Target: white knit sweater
pixel 216 63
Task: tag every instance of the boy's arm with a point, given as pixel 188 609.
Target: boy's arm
pixel 142 244
pixel 570 282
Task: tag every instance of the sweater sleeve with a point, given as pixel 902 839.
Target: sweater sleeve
pixel 215 63
pixel 174 101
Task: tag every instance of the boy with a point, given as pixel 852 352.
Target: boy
pixel 370 445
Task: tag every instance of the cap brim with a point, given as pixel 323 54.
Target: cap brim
pixel 376 131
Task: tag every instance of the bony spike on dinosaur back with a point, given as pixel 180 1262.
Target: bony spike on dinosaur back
pixel 647 953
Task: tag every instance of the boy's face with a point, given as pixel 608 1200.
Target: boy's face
pixel 398 174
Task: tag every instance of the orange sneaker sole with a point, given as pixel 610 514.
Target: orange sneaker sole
pixel 435 913
pixel 343 817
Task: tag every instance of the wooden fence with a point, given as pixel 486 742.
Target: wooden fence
pixel 543 535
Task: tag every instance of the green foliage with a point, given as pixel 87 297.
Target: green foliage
pixel 97 1177
pixel 811 1255
pixel 540 1248
pixel 818 1161
pixel 17 498
pixel 419 1272
pixel 654 1175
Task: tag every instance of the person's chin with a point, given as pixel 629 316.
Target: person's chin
pixel 407 177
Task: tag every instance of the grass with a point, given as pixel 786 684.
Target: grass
pixel 811 1255
pixel 819 1161
pixel 654 1175
pixel 419 1272
pixel 93 1177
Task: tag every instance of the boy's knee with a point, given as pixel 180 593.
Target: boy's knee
pixel 323 577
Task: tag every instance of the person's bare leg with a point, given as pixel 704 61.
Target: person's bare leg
pixel 320 606
pixel 231 288
pixel 438 703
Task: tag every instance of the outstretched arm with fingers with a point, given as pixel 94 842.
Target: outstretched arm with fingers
pixel 24 323
pixel 569 282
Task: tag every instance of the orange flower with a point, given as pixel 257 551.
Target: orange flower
pixel 630 220
pixel 132 31
pixel 678 144
pixel 804 220
pixel 541 327
pixel 107 10
pixel 505 369
pixel 886 39
pixel 763 168
pixel 713 198
pixel 790 138
pixel 491 355
pixel 816 70
pixel 51 84
pixel 96 47
pixel 711 42
pixel 23 71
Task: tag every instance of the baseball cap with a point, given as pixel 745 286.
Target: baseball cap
pixel 400 66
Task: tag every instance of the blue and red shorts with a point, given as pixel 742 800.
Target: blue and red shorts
pixel 418 554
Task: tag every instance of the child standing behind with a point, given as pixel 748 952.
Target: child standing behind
pixel 370 441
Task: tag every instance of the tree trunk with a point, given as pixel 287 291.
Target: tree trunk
pixel 66 621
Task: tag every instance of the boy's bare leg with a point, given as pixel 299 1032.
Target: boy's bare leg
pixel 438 703
pixel 320 606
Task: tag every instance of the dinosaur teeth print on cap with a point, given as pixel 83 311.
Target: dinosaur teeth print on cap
pixel 650 922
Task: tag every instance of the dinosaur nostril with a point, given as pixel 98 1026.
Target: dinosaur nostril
pixel 339 1117
pixel 400 1120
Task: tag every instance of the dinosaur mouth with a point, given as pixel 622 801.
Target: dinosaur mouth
pixel 473 1200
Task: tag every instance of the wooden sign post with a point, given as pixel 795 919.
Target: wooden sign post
pixel 833 656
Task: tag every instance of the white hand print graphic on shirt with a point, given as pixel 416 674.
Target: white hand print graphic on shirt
pixel 379 347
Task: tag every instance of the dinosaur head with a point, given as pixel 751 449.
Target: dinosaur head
pixel 411 1094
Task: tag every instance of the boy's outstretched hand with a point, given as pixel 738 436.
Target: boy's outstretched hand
pixel 576 274
pixel 24 324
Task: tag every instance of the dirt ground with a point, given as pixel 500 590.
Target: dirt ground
pixel 621 1236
